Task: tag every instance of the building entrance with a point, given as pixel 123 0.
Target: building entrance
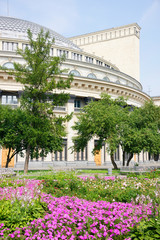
pixel 97 158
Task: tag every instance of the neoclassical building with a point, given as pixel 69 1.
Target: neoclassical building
pixel 104 61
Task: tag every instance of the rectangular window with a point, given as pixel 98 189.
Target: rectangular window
pixel 9 46
pixel 76 56
pixel 61 53
pixel 77 103
pixel 51 52
pixel 9 99
pixel 89 59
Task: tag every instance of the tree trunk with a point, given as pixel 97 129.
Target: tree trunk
pixel 123 158
pixel 129 159
pixel 27 159
pixel 8 158
pixel 112 160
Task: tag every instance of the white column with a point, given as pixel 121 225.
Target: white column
pixel 70 109
pixel 20 45
pixel 0 45
pixel 141 157
pixel 90 149
pixel 48 158
pixel 120 154
pixel 102 155
pixel 69 55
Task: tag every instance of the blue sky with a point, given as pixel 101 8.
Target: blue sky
pixel 74 17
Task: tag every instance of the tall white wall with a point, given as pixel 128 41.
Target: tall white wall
pixel 120 46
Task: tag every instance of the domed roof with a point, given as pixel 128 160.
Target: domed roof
pixel 17 28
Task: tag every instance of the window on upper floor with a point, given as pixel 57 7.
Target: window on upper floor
pixel 60 108
pixel 75 73
pixel 77 103
pixel 99 62
pixel 8 65
pixel 51 52
pixel 91 75
pixel 61 53
pixel 106 65
pixel 76 56
pixel 9 99
pixel 24 45
pixel 9 46
pixel 88 59
pixel 106 79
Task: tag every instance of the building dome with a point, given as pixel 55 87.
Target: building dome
pixel 17 28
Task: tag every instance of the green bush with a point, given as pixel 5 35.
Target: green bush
pixel 18 213
pixel 146 230
pixel 94 190
pixel 10 183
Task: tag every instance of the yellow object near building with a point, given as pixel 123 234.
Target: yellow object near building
pixel 4 158
pixel 97 158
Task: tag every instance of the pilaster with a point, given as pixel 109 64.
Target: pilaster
pixel 0 45
pixel 90 149
pixel 70 109
pixel 120 154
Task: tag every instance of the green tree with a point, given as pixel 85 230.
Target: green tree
pixel 101 119
pixel 116 123
pixel 12 124
pixel 43 89
pixel 140 131
pixel 17 130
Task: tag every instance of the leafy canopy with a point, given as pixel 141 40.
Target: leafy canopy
pixel 101 119
pixel 41 76
pixel 43 89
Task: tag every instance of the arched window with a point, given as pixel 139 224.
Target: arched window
pixel 91 75
pixel 75 73
pixel 8 65
pixel 106 79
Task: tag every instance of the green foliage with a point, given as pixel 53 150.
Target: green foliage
pixel 41 78
pixel 95 189
pixel 141 130
pixel 10 183
pixel 19 214
pixel 114 122
pixel 146 230
pixel 101 119
pixel 13 126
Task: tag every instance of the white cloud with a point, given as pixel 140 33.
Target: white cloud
pixel 150 12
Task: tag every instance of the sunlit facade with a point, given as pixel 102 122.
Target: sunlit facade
pixel 105 61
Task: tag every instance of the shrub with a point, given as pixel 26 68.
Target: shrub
pixel 19 214
pixel 146 230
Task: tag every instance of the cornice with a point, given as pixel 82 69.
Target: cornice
pixel 156 98
pixel 92 86
pixel 105 30
pixel 89 87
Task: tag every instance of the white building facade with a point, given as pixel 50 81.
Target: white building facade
pixel 105 61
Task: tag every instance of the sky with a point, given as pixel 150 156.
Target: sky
pixel 75 17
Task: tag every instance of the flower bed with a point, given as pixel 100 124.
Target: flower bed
pixel 109 188
pixel 69 217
